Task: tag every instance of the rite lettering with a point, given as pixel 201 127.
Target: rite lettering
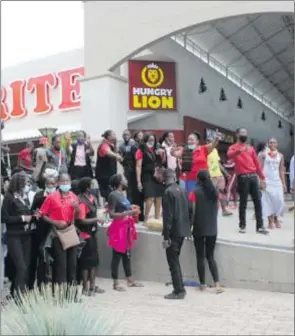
pixel 41 87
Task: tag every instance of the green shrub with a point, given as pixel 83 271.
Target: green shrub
pixel 59 315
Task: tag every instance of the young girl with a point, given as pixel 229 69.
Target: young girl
pixel 204 221
pixel 122 231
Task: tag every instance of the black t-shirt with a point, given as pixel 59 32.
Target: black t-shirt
pixel 118 202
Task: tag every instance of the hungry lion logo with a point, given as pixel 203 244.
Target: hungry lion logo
pixel 152 75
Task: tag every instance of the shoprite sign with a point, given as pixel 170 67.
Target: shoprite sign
pixel 152 85
pixel 14 95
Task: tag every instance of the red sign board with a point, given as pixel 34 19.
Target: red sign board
pixel 66 81
pixel 152 85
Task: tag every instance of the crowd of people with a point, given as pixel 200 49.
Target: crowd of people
pixel 49 204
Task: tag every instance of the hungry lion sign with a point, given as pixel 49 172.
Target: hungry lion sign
pixel 152 85
pixel 14 95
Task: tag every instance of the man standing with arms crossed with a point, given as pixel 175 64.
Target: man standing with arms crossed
pixel 247 169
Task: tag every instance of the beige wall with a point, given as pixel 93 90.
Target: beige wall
pixel 115 30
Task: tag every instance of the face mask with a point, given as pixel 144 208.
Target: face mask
pixel 65 187
pixel 80 141
pixel 243 138
pixel 50 190
pixel 150 144
pixel 27 188
pixel 191 147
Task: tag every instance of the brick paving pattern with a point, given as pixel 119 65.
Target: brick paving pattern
pixel 144 311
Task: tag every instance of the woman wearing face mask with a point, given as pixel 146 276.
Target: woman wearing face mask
pixel 106 163
pixel 137 196
pixel 148 159
pixel 167 141
pixel 38 266
pixel 194 158
pixel 80 161
pixel 17 216
pixel 122 231
pixel 87 224
pixel 60 210
pixel 273 165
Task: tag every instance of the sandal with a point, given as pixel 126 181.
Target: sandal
pixel 118 288
pixel 98 290
pixel 134 284
pixel 219 290
pixel 202 287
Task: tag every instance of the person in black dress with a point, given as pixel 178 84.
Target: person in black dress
pixel 204 222
pixel 149 158
pixel 106 162
pixel 38 266
pixel 137 196
pixel 17 216
pixel 87 224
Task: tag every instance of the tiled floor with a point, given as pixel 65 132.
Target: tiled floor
pixel 144 311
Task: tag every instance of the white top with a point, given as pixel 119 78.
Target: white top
pixel 271 168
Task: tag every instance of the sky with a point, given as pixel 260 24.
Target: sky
pixel 36 29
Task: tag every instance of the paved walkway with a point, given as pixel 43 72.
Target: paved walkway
pixel 144 311
pixel 278 238
pixel 228 230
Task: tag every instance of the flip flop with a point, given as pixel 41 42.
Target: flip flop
pixel 119 288
pixel 134 284
pixel 219 290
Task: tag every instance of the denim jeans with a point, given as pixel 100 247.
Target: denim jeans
pixel 189 186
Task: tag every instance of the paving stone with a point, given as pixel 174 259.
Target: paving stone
pixel 144 311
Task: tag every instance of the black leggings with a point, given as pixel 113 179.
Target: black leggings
pixel 19 249
pixel 115 264
pixel 206 246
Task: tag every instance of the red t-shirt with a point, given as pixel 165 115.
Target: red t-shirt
pixel 25 157
pixel 139 154
pixel 192 197
pixel 103 149
pixel 59 208
pixel 84 208
pixel 200 162
pixel 245 162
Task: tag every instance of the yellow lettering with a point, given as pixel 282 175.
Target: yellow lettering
pixel 167 103
pixel 153 102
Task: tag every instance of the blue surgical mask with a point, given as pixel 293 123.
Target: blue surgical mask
pixel 65 187
pixel 191 147
pixel 50 190
pixel 80 141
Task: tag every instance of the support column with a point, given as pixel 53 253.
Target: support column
pixel 104 105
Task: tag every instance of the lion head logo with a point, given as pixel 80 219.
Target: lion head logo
pixel 153 75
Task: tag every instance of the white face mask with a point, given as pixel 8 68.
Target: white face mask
pixel 27 188
pixel 150 144
pixel 50 190
pixel 191 147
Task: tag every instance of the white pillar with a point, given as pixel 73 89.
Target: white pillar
pixel 104 105
pixel 124 70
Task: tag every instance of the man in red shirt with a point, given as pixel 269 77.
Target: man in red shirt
pixel 247 169
pixel 25 157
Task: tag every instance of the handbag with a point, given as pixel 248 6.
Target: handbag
pixel 68 237
pixel 158 174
